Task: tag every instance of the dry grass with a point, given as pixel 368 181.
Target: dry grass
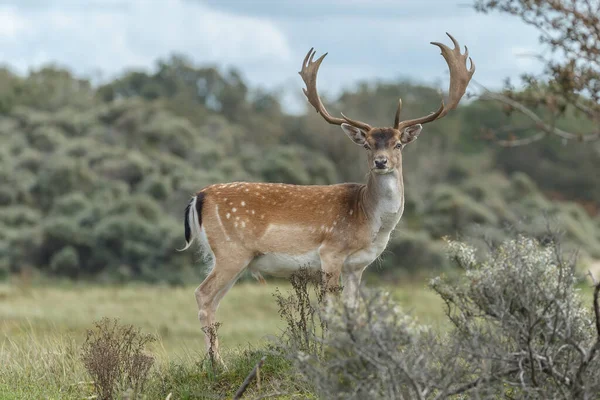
pixel 42 329
pixel 248 312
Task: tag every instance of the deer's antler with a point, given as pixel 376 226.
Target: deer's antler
pixel 309 72
pixel 459 80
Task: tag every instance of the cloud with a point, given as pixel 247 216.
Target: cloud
pixel 266 40
pixel 133 34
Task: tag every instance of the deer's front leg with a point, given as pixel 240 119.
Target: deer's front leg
pixel 332 261
pixel 351 283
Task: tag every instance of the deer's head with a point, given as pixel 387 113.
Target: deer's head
pixel 384 145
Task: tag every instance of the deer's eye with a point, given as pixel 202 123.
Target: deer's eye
pixel 366 146
pixel 398 146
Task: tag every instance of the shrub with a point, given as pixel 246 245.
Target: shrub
pixel 46 139
pixel 414 251
pixel 70 205
pixel 65 262
pixel 16 216
pixel 59 176
pixel 130 167
pixel 452 210
pixel 300 311
pixel 156 186
pixel 115 357
pixel 518 311
pixel 519 329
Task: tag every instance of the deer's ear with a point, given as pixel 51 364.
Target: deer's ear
pixel 410 134
pixel 357 135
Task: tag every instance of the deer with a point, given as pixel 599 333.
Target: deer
pixel 277 229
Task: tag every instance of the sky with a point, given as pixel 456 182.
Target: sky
pixel 266 39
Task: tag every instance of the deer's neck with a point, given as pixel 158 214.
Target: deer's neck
pixel 383 200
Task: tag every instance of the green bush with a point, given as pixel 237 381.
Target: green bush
pixel 65 262
pixel 108 171
pixel 517 327
pixel 46 139
pixel 412 251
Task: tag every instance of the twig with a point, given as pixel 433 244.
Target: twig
pixel 597 305
pixel 251 375
pixel 592 277
pixel 545 129
pixel 473 384
pixel 596 346
pixel 274 394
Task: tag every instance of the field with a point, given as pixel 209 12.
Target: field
pixel 43 326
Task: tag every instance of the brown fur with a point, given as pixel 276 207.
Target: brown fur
pixel 346 226
pixel 342 224
pixel 246 210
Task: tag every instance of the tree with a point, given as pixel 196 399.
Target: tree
pixel 570 81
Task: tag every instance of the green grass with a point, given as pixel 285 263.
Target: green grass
pixel 43 326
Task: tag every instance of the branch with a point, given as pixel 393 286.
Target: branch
pixel 273 394
pixel 597 308
pixel 545 128
pixel 249 378
pixel 473 384
pixel 592 353
pixel 596 345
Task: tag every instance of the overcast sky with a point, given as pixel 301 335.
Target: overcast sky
pixel 265 39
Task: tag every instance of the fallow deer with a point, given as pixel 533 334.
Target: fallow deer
pixel 276 229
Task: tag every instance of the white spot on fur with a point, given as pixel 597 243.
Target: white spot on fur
pixel 252 212
pixel 243 204
pixel 243 224
pixel 351 212
pixel 227 215
pixel 233 209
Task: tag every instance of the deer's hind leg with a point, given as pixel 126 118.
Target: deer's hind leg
pixel 228 266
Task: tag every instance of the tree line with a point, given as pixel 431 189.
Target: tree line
pixel 95 178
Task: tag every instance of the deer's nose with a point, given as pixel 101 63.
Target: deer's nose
pixel 381 163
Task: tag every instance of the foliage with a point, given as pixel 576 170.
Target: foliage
pixel 518 328
pixel 570 82
pixel 300 309
pixel 94 180
pixel 40 343
pixel 114 357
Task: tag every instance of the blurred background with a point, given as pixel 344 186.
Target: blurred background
pixel 113 113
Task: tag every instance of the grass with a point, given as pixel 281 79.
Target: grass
pixel 171 313
pixel 248 312
pixel 43 326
